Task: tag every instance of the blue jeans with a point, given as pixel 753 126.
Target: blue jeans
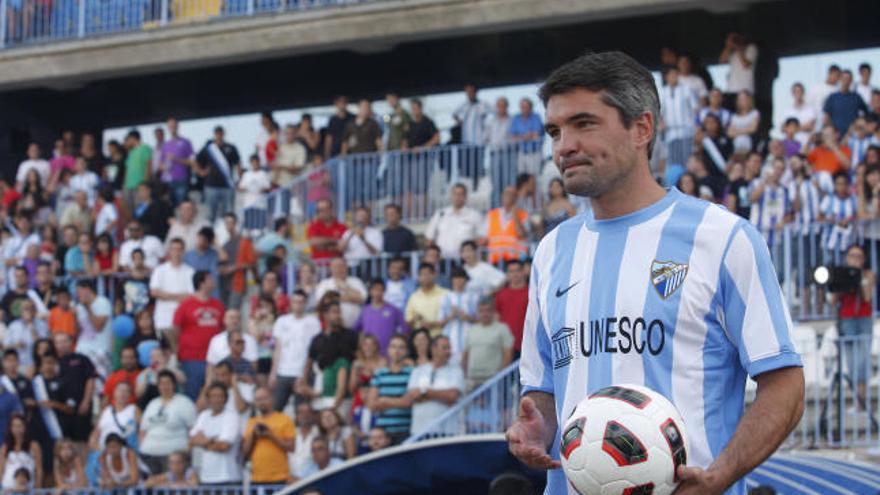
pixel 179 190
pixel 219 201
pixel 855 335
pixel 195 377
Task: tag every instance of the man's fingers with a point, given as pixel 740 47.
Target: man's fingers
pixel 527 409
pixel 686 473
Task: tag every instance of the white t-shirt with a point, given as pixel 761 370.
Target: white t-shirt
pixel 741 77
pixel 484 278
pixel 219 467
pixel 86 182
pixel 818 94
pixel 96 343
pixel 456 227
pixel 106 216
pixel 218 348
pixel 188 233
pixel 804 114
pixel 447 377
pixel 123 423
pixel 350 311
pixel 301 458
pixel 357 249
pixel 166 426
pixel 293 336
pixel 254 182
pixel 41 166
pixel 151 245
pixel 696 83
pixel 865 90
pixel 743 142
pixel 173 279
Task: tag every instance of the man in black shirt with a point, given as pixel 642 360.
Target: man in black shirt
pixel 336 127
pixel 396 238
pixel 45 293
pixel 80 372
pixel 332 343
pixel 17 383
pixel 57 406
pixel 11 302
pixel 216 163
pixel 151 212
pixel 422 132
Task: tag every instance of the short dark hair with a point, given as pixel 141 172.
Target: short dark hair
pixel 10 352
pixel 468 243
pixel 791 120
pixel 199 278
pixel 207 233
pixel 513 262
pixel 427 266
pixel 624 84
pixel 169 375
pixel 218 385
pixel 377 281
pixel 231 215
pixel 177 240
pixel 833 68
pixel 523 179
pixel 458 273
pixel 841 175
pixel 864 65
pixel 279 222
pixel 134 133
pixel 301 293
pixel 86 284
pixel 394 206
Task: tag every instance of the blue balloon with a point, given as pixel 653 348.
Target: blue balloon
pixel 123 326
pixel 144 349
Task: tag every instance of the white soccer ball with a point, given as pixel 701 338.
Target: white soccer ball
pixel 624 440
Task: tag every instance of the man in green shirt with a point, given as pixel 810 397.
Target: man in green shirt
pixel 137 167
pixel 488 345
pixel 397 122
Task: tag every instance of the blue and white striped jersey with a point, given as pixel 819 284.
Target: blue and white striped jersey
pixel 769 211
pixel 859 146
pixel 455 329
pixel 835 209
pixel 679 105
pixel 472 116
pixel 806 212
pixel 680 297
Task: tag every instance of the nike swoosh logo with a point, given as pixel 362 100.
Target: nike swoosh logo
pixel 560 292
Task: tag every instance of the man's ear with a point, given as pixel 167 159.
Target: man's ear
pixel 642 129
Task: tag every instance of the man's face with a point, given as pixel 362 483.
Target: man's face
pixel 459 196
pixel 845 80
pixel 501 106
pixel 320 453
pixel 416 110
pixel 855 258
pixel 21 279
pixel 395 270
pixel 218 136
pixel 236 344
pixel 81 199
pixel 223 375
pixel 263 400
pixel 471 92
pixel 23 223
pixel 468 254
pixel 378 439
pixel 525 107
pixel 865 74
pixel 364 109
pixel 270 283
pixel 426 278
pixel 202 243
pixel 216 398
pixel 592 149
pixel 10 366
pixel 289 134
pixel 833 76
pixel 798 92
pixel 49 367
pixel 172 126
pixel 208 284
pixel 338 268
pixel 143 194
pixel 333 316
pixel 159 134
pixel 397 350
pixel 63 343
pixel 671 77
pixel 485 313
pixel 441 350
pixel 33 151
pixel 298 304
pixel 362 217
pixel 135 231
pixel 392 217
pixel 232 319
pixel 69 236
pixel 175 252
pixel 230 224
pixel 508 197
pixel 841 187
pixel 128 359
pixel 377 293
pixel 515 274
pixel 325 211
pixel 431 256
pixel 340 103
pixel 305 416
pixel 187 211
pixel 392 99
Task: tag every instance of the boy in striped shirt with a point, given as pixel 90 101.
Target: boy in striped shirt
pixel 387 397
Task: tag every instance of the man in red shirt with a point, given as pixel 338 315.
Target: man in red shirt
pixel 511 302
pixel 198 318
pixel 127 373
pixel 325 232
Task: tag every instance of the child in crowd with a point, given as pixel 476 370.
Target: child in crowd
pixel 62 317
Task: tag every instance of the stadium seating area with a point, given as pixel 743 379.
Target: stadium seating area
pixel 175 315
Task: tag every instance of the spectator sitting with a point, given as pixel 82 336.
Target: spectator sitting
pixel 423 308
pixel 306 432
pixel 19 451
pixel 165 424
pixel 744 123
pixel 351 289
pixel 340 438
pixel 127 373
pixel 196 321
pixel 325 232
pixel 860 139
pixel 484 279
pixel 78 213
pixel 378 318
pixel 237 258
pixel 434 387
pixel 268 438
pixel 507 229
pixel 121 417
pixel 243 369
pixel 33 162
pixel 790 142
pixel 152 211
pixel 842 107
pixel 398 286
pixel 67 467
pixel 218 432
pixel 378 439
pixel 220 346
pixel 292 332
pixel 480 357
pixel 203 257
pixel 366 362
pixel 457 223
pixel 150 245
pixel 387 396
pixel 75 386
pixel 457 311
pixel 84 180
pixel 362 241
pixel 396 238
pixel 679 105
pixel 178 475
pixel 716 108
pixel 119 468
pixel 321 458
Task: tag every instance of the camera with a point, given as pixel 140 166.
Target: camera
pixel 838 279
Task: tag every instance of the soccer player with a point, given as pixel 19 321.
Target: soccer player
pixel 653 288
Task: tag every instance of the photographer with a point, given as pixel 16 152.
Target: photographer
pixel 856 322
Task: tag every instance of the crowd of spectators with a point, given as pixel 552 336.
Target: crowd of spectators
pixel 150 339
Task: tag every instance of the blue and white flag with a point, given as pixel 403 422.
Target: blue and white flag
pixel 41 393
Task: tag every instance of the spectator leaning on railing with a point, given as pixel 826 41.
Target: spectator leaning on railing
pixel 434 387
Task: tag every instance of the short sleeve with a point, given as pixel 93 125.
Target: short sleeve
pixel 231 428
pixel 287 429
pixel 506 336
pixel 179 315
pixel 755 315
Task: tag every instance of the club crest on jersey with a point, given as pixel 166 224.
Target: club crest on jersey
pixel 667 276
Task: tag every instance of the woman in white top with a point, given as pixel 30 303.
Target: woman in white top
pixel 340 439
pixel 118 464
pixel 68 467
pixel 744 123
pixel 19 451
pixel 120 417
pixel 165 424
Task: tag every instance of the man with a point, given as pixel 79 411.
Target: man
pixel 268 437
pixel 159 139
pixel 137 167
pixel 507 229
pixel 679 106
pixel 293 333
pixel 15 296
pixel 216 163
pixel 128 372
pixel 93 315
pixel 471 116
pixel 864 87
pixel 398 286
pixel 352 291
pixel 363 134
pixel 9 405
pixel 483 278
pixel 325 231
pixel 218 432
pixel 716 108
pixel 196 320
pixel 422 132
pixel 378 439
pixel 279 236
pixel 149 244
pixel 34 162
pixel 321 458
pixel 623 260
pixel 820 92
pixel 186 225
pixel 451 226
pixel 14 382
pixel 741 56
pixel 16 247
pixel 803 112
pixel 379 318
pixel 483 340
pixel 423 307
pixel 170 283
pixel 84 180
pixel 336 127
pixel 829 157
pixel 78 214
pixel 243 368
pixel 860 139
pixel 526 127
pixel 396 238
pixel 44 294
pixel 175 160
pixel 511 303
pixel 55 393
pixel 306 431
pixel 334 342
pixel 498 128
pixel 842 107
pixel 203 257
pixel 237 257
pixel 434 387
pixel 219 347
pixel 362 241
pixel 397 122
pixel 81 374
pixel 290 159
pixel 387 397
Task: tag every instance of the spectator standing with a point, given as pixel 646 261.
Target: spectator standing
pixel 16 383
pixel 510 302
pixel 10 404
pixel 507 229
pixel 196 320
pixel 152 211
pixel 268 437
pixel 306 432
pixel 397 123
pixel 434 387
pixel 237 257
pixel 362 134
pixel 221 345
pixel 423 307
pixel 165 424
pixel 379 318
pixel 828 157
pixel 398 286
pixel 336 127
pixel 203 257
pixel 80 375
pixel 472 115
pixel 860 139
pixel 716 108
pixel 819 93
pixel 170 283
pixel 149 244
pixel 93 314
pixel 176 158
pixel 217 431
pixel 186 225
pixel 387 396
pixel 864 87
pixel 744 124
pixel 293 334
pixel 679 105
pixel 844 106
pixel 804 112
pixel 527 129
pixel 137 167
pixel 457 223
pixel 351 290
pixel 56 414
pixel 396 238
pixel 421 133
pixel 325 232
pixel 254 184
pixel 687 77
pixel 20 451
pixel 290 160
pixel 84 180
pixel 741 56
pixel 839 210
pixel 155 163
pixel 128 373
pixel 330 355
pixel 362 241
pixel 16 246
pixel 217 163
pixel 367 360
pixel 458 310
pixel 498 127
pixel 481 358
pixel 12 300
pixel 34 162
pixel 483 278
